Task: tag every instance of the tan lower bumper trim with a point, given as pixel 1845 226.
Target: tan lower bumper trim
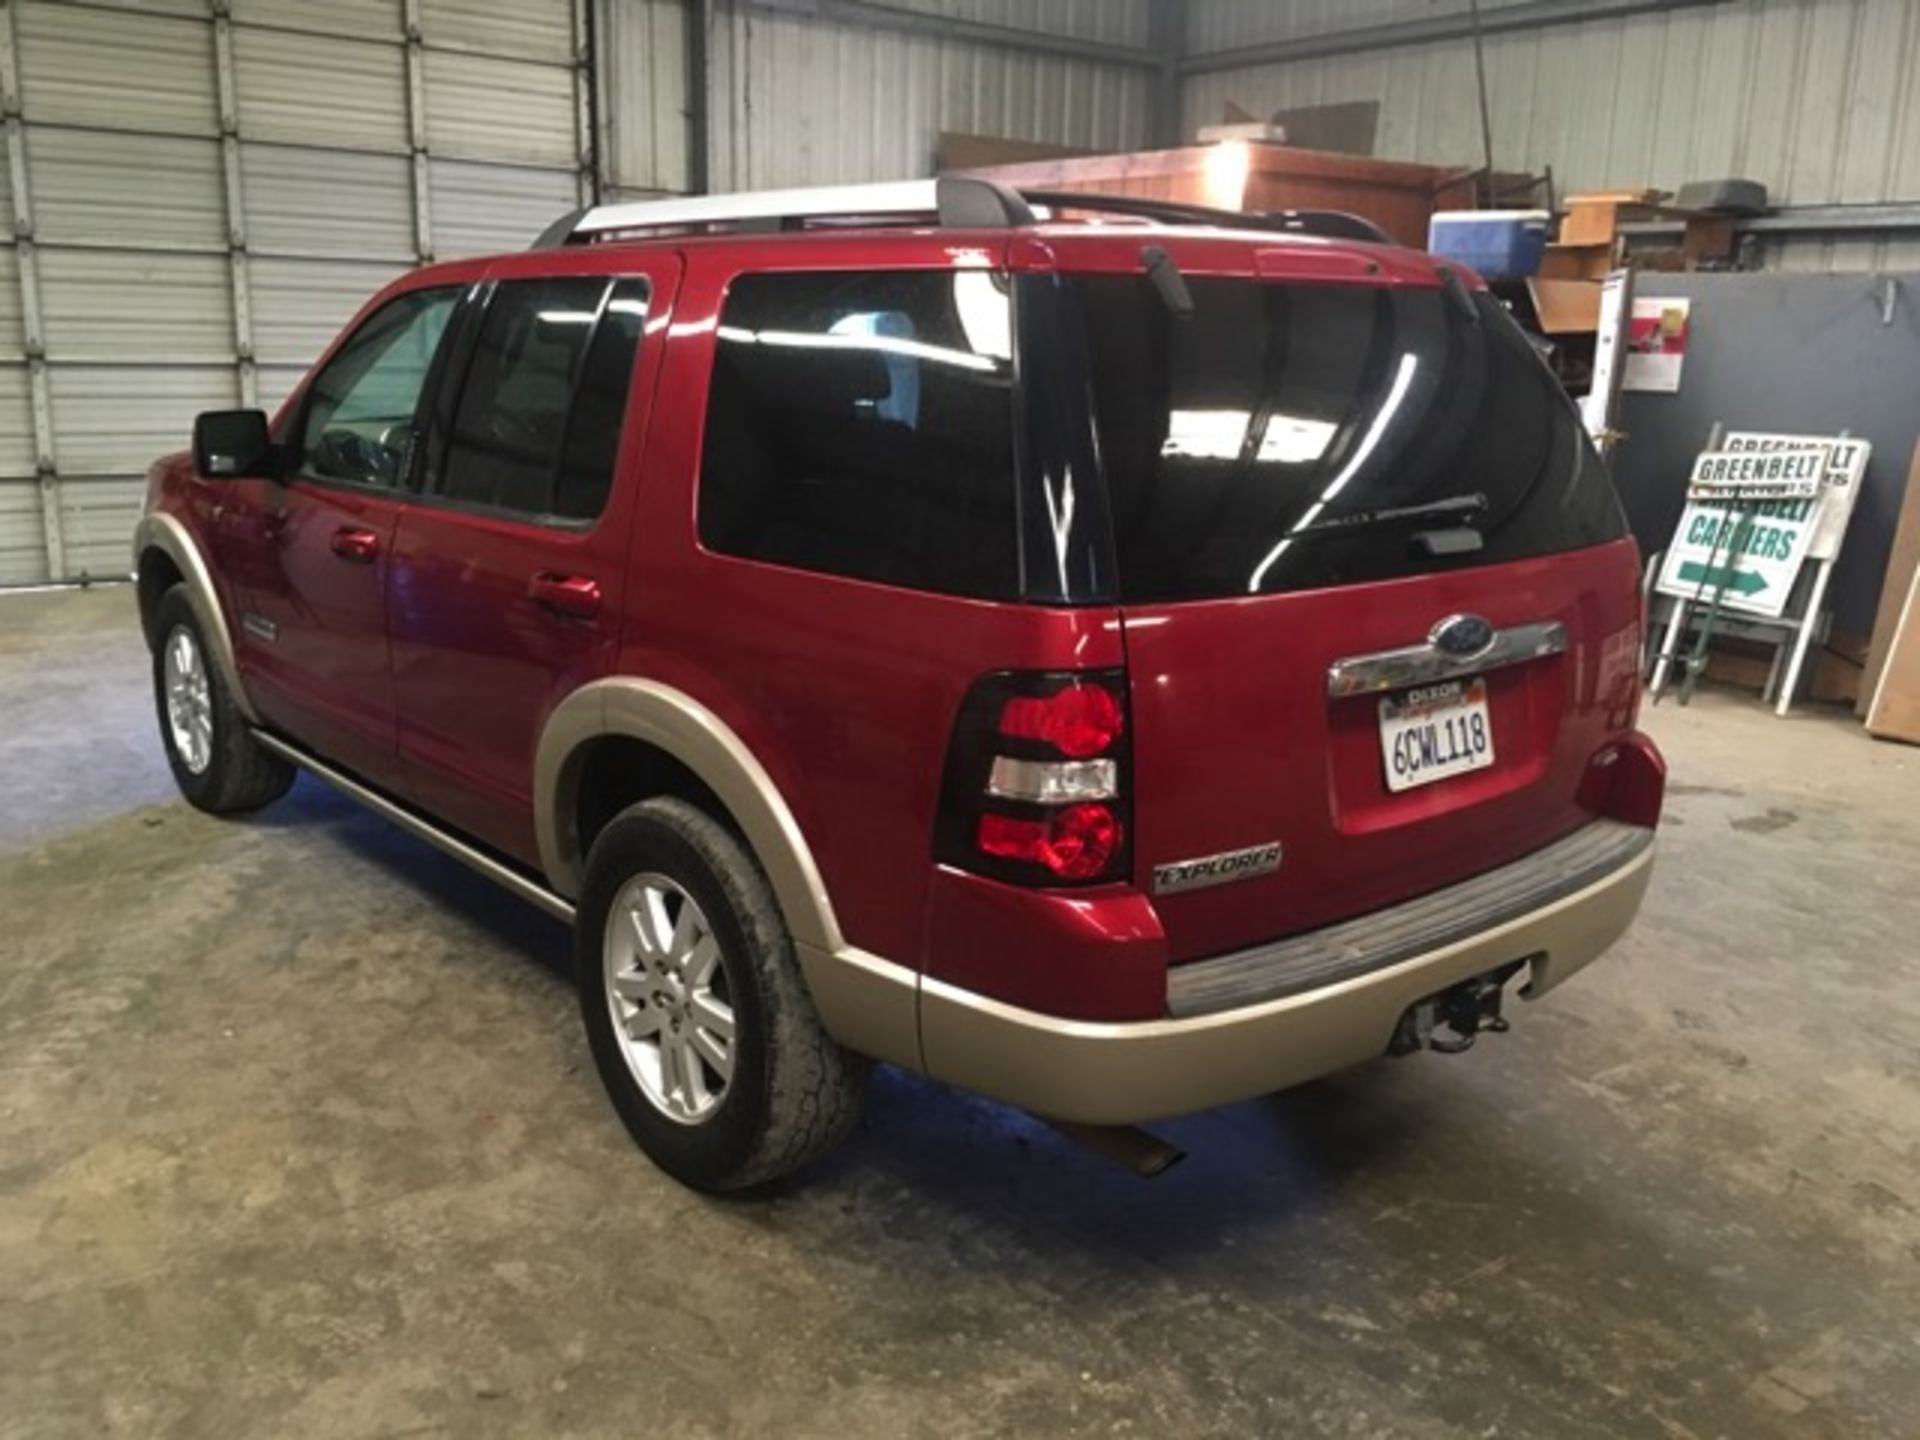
pixel 1111 1074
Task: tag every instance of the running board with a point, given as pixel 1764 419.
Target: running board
pixel 421 828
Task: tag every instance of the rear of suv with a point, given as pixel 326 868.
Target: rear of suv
pixel 1118 664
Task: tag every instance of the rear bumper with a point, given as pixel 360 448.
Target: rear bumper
pixel 1122 1073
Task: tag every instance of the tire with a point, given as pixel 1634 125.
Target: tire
pixel 215 760
pixel 788 1092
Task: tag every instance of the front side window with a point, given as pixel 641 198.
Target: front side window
pixel 357 426
pixel 861 424
pixel 537 425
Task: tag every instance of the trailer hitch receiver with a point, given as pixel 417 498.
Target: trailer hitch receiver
pixel 1450 1021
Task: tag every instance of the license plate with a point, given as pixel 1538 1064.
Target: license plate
pixel 1435 732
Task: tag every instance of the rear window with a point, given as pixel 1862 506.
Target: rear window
pixel 862 425
pixel 1274 409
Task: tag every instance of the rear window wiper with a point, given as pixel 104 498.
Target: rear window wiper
pixel 1455 509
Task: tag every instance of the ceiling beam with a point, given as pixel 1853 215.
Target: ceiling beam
pixel 866 14
pixel 1494 20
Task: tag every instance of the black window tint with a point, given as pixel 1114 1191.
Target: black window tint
pixel 600 404
pixel 358 421
pixel 1277 408
pixel 862 425
pixel 504 449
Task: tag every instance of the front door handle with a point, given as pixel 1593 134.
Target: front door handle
pixel 350 542
pixel 577 596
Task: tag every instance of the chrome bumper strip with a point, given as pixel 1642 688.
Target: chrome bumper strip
pixel 1426 663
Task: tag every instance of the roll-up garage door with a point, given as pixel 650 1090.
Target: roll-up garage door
pixel 199 192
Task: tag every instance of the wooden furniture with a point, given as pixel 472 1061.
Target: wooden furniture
pixel 1244 175
pixel 1590 245
pixel 1902 565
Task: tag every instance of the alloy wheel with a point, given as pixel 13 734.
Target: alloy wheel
pixel 189 699
pixel 668 994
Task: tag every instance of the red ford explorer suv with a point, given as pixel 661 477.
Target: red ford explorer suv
pixel 1113 657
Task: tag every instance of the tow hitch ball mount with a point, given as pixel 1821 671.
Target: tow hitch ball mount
pixel 1452 1020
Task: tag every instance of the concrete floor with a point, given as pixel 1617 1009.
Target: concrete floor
pixel 298 1138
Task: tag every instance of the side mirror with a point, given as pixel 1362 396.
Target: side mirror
pixel 229 444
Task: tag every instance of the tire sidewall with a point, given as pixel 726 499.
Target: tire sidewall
pixel 708 1153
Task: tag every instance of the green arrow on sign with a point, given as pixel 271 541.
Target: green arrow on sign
pixel 1741 582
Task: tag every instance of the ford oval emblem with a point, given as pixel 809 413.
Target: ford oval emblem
pixel 1463 636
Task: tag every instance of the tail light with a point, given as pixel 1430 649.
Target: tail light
pixel 1037 775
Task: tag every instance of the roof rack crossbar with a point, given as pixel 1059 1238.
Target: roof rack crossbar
pixel 952 201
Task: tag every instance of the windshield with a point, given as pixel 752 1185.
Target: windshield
pixel 1231 439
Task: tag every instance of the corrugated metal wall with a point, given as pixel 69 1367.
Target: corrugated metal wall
pixel 1816 98
pixel 197 202
pixel 798 100
pixel 198 192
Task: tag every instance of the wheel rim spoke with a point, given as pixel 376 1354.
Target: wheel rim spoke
pixel 712 1015
pixel 717 1055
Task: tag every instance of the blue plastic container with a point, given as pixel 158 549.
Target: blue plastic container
pixel 1499 244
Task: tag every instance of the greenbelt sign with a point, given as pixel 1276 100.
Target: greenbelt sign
pixel 1757 508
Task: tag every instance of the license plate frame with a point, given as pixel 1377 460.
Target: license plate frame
pixel 1432 733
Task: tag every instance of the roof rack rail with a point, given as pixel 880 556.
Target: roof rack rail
pixel 952 201
pixel 955 201
pixel 1332 224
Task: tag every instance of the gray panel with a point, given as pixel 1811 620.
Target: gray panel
pixel 13 338
pixel 16 422
pixel 196 9
pixel 506 110
pixel 300 305
pixel 97 516
pixel 23 545
pixel 274 383
pixel 644 68
pixel 121 418
pixel 129 72
pixel 90 187
pixel 313 90
pixel 357 19
pixel 479 209
pixel 791 81
pixel 302 201
pixel 519 29
pixel 1811 98
pixel 126 306
pixel 1789 353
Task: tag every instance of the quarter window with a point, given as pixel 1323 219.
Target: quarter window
pixel 538 421
pixel 357 426
pixel 862 425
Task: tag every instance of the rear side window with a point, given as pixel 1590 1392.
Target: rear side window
pixel 862 425
pixel 1232 439
pixel 538 422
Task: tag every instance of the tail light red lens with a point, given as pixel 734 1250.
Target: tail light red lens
pixel 1036 786
pixel 1077 843
pixel 1080 721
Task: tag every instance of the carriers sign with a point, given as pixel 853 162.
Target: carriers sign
pixel 1757 509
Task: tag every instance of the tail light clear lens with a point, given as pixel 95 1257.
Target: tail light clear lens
pixel 1036 783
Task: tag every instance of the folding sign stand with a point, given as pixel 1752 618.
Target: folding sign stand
pixel 1729 507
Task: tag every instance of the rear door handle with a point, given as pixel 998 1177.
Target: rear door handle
pixel 577 596
pixel 352 543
